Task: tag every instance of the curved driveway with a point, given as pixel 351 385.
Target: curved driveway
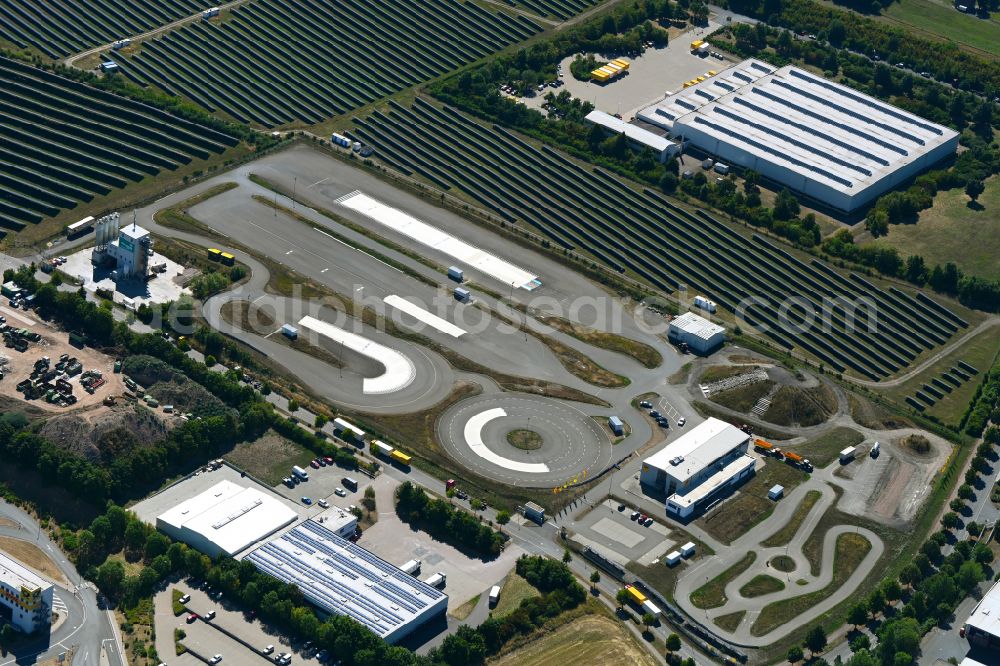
pixel 86 628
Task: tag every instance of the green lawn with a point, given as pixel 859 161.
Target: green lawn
pixel 826 448
pixel 951 231
pixel 760 585
pixel 944 20
pixel 712 594
pixel 785 534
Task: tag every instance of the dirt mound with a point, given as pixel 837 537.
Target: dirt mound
pixel 791 405
pixel 170 387
pixel 917 445
pixel 100 434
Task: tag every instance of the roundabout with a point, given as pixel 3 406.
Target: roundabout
pixel 522 439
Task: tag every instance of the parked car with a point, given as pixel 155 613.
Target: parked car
pixel 191 618
pixel 323 503
pixel 681 421
pixel 649 521
pixel 642 518
pixel 314 463
pixel 216 659
pixel 340 492
pixel 634 516
pixel 621 507
pixel 328 460
pixel 186 598
pixel 268 650
pixel 210 615
pixel 307 501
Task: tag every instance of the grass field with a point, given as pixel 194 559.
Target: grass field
pixel 743 398
pixel 979 352
pixel 730 621
pixel 713 593
pixel 950 230
pixel 269 458
pixel 640 351
pixel 514 590
pixel 850 552
pixel 785 534
pixel 792 405
pixel 591 640
pixel 31 555
pixel 826 448
pixel 736 516
pixel 760 585
pixel 944 20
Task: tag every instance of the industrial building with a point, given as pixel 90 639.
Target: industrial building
pixel 226 519
pixel 638 137
pixel 982 629
pixel 343 578
pixel 693 469
pixel 126 248
pixel 25 598
pixel 827 141
pixel 698 333
pixel 340 521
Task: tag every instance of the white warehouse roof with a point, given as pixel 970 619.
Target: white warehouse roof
pixel 696 326
pixel 343 578
pixel 697 449
pixel 226 518
pixel 642 136
pixel 986 615
pixel 816 136
pixel 16 575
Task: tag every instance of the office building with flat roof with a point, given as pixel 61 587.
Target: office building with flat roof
pixel 25 597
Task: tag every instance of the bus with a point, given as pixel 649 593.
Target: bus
pixel 214 254
pixel 227 259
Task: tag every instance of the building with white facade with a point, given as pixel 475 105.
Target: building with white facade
pixel 25 597
pixel 340 577
pixel 822 139
pixel 695 468
pixel 638 137
pixel 982 629
pixel 226 519
pixel 701 335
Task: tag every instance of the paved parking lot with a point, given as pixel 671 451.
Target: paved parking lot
pixel 321 484
pixel 612 533
pixel 397 543
pixel 232 619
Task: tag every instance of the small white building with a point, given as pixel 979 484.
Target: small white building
pixel 130 252
pixel 693 469
pixel 701 335
pixel 776 492
pixel 340 521
pixel 638 137
pixel 25 597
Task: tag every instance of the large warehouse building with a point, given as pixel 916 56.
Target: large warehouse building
pixel 25 598
pixel 226 519
pixel 693 469
pixel 982 629
pixel 343 578
pixel 822 139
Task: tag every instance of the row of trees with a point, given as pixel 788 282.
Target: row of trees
pixel 985 405
pixel 944 60
pixel 443 521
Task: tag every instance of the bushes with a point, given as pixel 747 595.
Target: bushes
pixel 560 591
pixel 443 521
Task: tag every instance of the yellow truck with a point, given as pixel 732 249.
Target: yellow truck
pixel 400 457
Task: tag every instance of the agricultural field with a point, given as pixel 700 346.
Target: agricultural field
pixel 584 210
pixel 299 62
pixel 943 20
pixel 66 143
pixel 59 28
pixel 561 9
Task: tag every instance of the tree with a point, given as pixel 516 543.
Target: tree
pixel 321 420
pixel 877 222
pixel 786 206
pixel 795 654
pixel 110 577
pixel 966 492
pixel 974 189
pixel 898 635
pixel 857 615
pixel 974 528
pixel 567 556
pixel 503 517
pixel 668 183
pixel 836 32
pixel 876 601
pixel 622 598
pixel 648 620
pixel 293 405
pixel 595 578
pixel 673 642
pixel 465 647
pixel 950 520
pixel 816 639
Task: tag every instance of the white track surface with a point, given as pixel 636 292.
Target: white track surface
pixel 425 234
pixel 424 316
pixel 399 370
pixel 473 435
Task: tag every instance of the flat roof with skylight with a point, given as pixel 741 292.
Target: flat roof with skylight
pixel 343 578
pixel 692 452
